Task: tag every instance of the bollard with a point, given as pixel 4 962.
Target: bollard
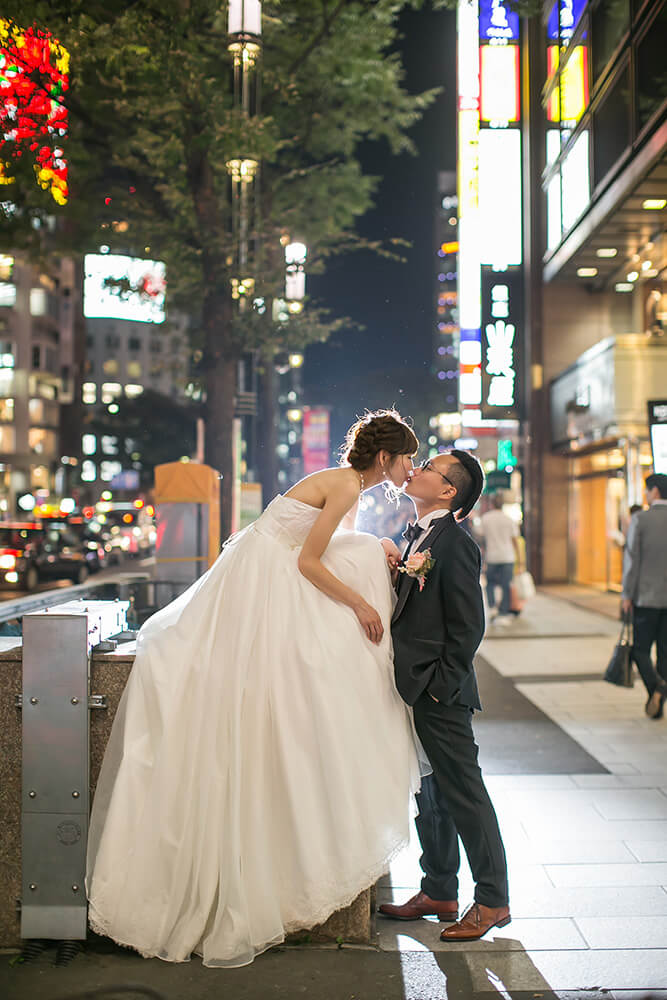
pixel 55 800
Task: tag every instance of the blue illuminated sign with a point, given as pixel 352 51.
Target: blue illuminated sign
pixel 570 15
pixel 497 22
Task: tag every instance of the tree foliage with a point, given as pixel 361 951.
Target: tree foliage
pixel 153 123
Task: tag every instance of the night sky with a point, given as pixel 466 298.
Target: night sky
pixel 393 301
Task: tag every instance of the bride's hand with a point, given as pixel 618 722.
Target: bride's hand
pixel 370 621
pixel 392 553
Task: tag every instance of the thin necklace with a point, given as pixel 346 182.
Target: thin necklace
pixel 361 477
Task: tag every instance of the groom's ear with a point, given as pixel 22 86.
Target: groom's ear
pixel 448 493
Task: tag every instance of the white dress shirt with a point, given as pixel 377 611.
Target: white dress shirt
pixel 426 522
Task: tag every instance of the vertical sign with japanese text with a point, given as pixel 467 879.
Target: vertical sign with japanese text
pixel 502 342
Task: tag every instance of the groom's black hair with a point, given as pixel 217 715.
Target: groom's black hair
pixel 468 480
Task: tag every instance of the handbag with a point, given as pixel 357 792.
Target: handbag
pixel 524 585
pixel 619 669
pixel 516 604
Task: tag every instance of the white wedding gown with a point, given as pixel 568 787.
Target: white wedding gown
pixel 261 766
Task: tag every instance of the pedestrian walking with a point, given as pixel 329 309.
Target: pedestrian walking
pixel 645 591
pixel 501 542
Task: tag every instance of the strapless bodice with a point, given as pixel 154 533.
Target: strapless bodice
pixel 287 520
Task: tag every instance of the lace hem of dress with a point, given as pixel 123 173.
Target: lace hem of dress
pixel 340 901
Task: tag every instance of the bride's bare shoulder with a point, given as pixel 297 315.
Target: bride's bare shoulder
pixel 318 487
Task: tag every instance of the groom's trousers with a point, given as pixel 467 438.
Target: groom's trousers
pixel 454 802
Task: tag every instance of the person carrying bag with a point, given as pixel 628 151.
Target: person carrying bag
pixel 619 670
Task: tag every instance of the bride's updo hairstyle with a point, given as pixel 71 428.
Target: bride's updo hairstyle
pixel 381 430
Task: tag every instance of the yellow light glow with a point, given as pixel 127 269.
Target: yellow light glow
pixel 500 83
pixel 296 360
pixel 654 204
pixel 574 85
pixel 294 416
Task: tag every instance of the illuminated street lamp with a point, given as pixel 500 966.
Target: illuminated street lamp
pixel 295 276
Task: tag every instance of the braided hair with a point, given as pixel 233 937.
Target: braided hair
pixel 379 430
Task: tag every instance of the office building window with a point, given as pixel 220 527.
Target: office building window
pixel 650 63
pixel 134 369
pixel 611 126
pixel 7 438
pixel 110 366
pixel 6 409
pixel 611 20
pixel 134 344
pixel 37 356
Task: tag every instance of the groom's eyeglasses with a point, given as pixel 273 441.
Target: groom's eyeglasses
pixel 427 466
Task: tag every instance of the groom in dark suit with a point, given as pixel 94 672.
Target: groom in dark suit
pixel 437 626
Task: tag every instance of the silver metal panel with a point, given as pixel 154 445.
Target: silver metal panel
pixel 54 868
pixel 55 923
pixel 55 714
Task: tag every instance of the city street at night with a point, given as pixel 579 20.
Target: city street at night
pixel 577 774
pixel 333 500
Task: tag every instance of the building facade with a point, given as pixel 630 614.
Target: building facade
pixel 37 377
pixel 595 164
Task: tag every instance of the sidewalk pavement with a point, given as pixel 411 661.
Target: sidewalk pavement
pixel 584 817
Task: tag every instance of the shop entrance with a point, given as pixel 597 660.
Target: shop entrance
pixel 598 520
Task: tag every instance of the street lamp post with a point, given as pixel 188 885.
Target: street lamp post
pixel 245 30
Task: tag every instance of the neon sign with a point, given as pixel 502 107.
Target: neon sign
pixel 469 274
pixel 496 22
pixel 501 344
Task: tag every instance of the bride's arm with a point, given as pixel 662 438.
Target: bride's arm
pixel 336 506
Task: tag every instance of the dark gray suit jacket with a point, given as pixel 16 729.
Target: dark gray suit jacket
pixel 645 558
pixel 436 632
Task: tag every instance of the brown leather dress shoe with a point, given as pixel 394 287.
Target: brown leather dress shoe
pixel 421 905
pixel 655 705
pixel 476 921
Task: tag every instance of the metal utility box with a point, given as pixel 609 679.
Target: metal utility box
pixel 187 502
pixel 55 800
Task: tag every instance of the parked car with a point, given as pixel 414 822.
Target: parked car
pixel 31 551
pixel 97 557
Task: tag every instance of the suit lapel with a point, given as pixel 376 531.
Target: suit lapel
pixel 406 583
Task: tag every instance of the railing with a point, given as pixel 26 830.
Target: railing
pixel 145 595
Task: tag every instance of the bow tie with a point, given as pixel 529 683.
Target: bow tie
pixel 412 532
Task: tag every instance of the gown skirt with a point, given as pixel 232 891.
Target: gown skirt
pixel 261 767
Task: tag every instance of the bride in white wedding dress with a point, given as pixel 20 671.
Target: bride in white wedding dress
pixel 261 766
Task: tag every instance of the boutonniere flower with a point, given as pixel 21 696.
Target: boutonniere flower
pixel 418 565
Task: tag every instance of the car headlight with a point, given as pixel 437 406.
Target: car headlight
pixel 7 561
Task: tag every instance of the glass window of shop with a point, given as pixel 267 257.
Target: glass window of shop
pixel 603 485
pixel 650 62
pixel 612 125
pixel 610 21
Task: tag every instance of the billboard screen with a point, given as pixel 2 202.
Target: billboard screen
pixel 657 416
pixel 315 443
pixel 140 297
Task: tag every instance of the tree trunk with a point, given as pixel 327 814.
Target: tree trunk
pixel 221 386
pixel 267 448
